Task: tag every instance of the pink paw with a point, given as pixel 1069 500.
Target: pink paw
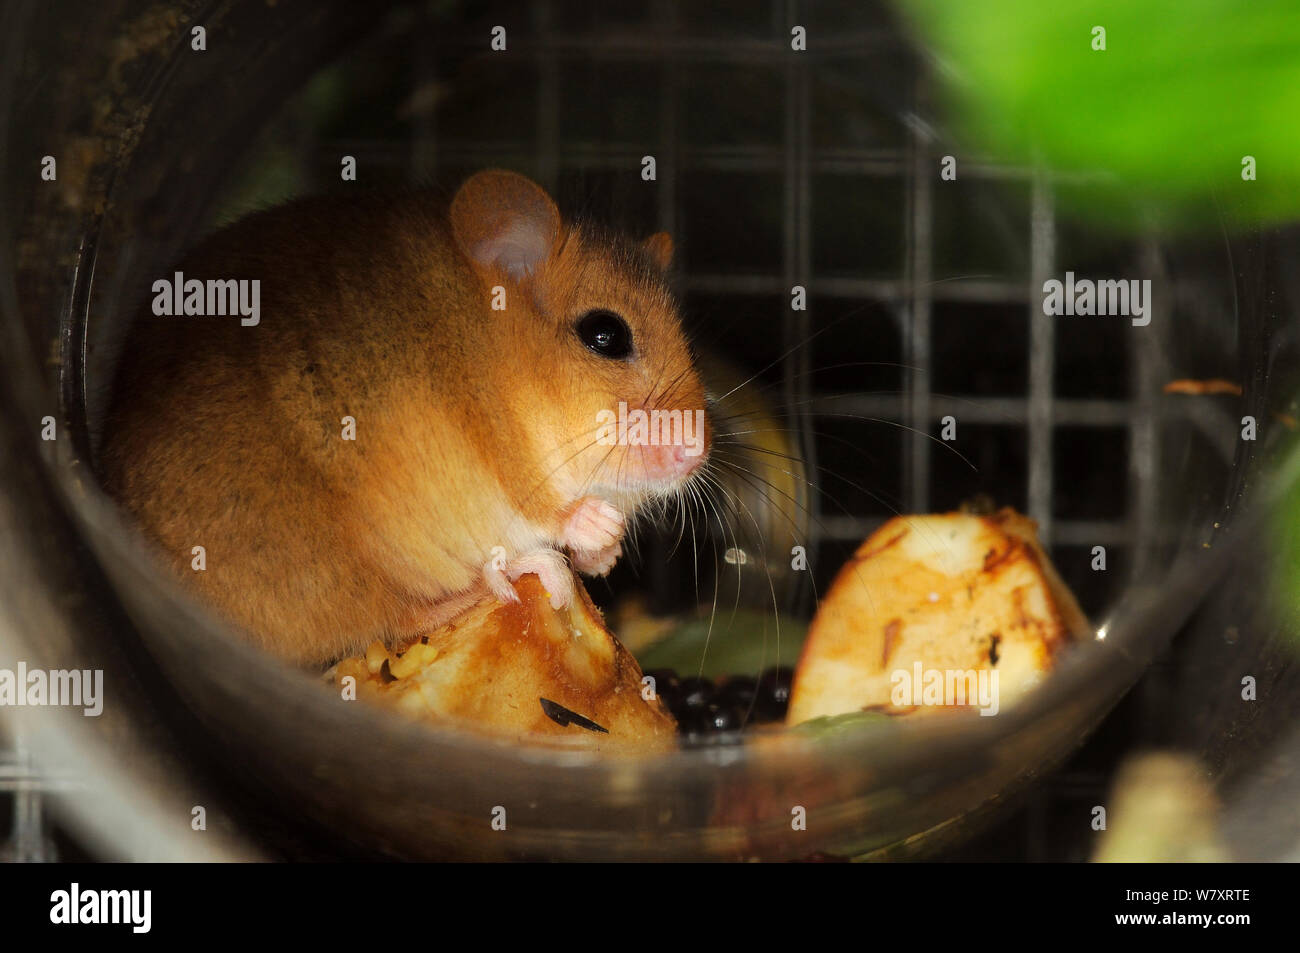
pixel 549 565
pixel 598 563
pixel 592 534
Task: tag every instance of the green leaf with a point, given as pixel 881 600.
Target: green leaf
pixel 1183 91
pixel 741 645
pixel 834 726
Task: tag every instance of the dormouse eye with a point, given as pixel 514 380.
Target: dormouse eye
pixel 605 333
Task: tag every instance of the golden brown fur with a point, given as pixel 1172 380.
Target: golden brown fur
pixel 474 427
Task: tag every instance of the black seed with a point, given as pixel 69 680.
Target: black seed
pixel 721 718
pixel 710 719
pixel 384 674
pixel 694 692
pixel 739 692
pixel 567 716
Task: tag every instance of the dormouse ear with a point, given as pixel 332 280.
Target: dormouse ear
pixel 502 219
pixel 659 247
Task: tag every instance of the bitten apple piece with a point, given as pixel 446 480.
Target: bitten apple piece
pixel 524 670
pixel 947 593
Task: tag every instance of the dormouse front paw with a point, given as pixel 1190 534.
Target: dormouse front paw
pixel 598 563
pixel 593 534
pixel 550 567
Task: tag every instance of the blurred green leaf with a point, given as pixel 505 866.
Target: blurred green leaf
pixel 833 726
pixel 1182 92
pixel 741 645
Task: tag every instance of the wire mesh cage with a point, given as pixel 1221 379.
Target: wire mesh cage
pixel 923 295
pixel 889 316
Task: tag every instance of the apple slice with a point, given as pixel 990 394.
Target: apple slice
pixel 931 613
pixel 523 670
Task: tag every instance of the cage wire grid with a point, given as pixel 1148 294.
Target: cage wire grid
pixel 23 790
pixel 910 297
